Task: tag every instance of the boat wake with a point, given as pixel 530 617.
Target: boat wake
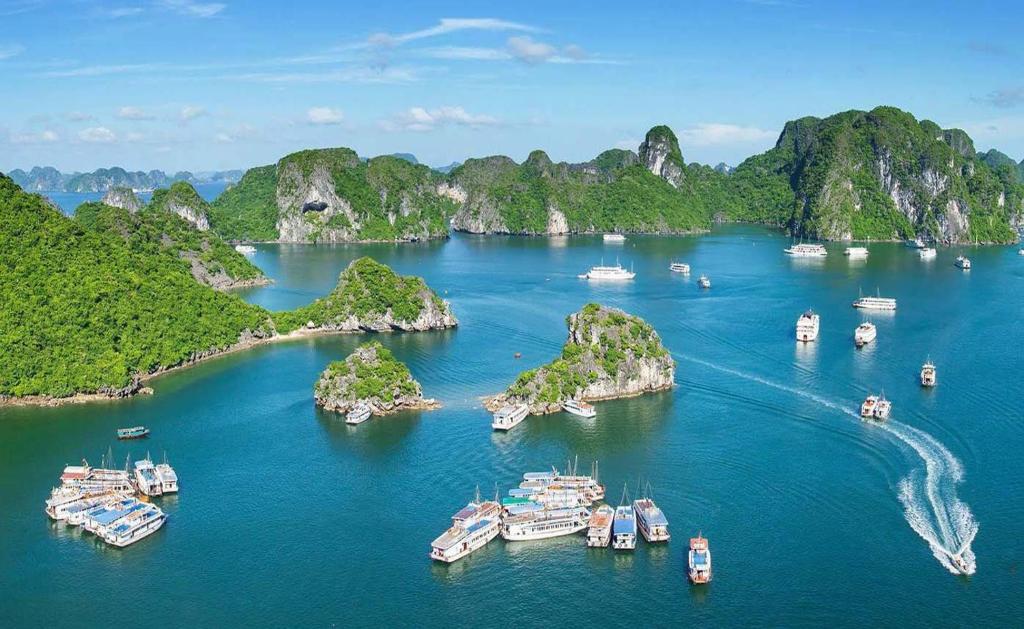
pixel 929 499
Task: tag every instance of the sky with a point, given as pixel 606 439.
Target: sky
pixel 199 85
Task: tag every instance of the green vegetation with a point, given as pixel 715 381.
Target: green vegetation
pixel 182 194
pixel 371 373
pixel 248 210
pixel 83 310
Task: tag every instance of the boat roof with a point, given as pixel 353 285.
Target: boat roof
pixel 700 557
pixel 476 526
pixel 465 512
pixel 75 471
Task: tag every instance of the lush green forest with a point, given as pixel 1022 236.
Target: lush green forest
pixel 371 373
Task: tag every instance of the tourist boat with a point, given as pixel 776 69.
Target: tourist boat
pixel 472 527
pixel 699 560
pixel 882 408
pixel 545 524
pixel 807 326
pixel 916 243
pixel 135 432
pixel 624 524
pixel 614 238
pixel 75 514
pixel 928 374
pixel 168 477
pixel 679 267
pixel 704 282
pixel 137 525
pixel 875 303
pixel 579 407
pixel 105 516
pixel 509 417
pixel 651 520
pixel 856 252
pixel 246 250
pixel 87 478
pixel 864 334
pixel 146 478
pixel 806 251
pixel 867 408
pixel 963 262
pixel 608 273
pixel 64 501
pixel 600 531
pixel 590 486
pixel 358 413
pixel 927 253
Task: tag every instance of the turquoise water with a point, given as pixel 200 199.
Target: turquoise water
pixel 288 516
pixel 68 201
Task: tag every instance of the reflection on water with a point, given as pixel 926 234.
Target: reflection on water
pixel 378 436
pixel 807 354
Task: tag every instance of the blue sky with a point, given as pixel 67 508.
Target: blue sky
pixel 183 84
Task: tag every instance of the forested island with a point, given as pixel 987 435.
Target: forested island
pixel 370 375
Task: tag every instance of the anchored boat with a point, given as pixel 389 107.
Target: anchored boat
pixel 614 238
pixel 135 432
pixel 875 303
pixel 509 416
pixel 545 524
pixel 856 252
pixel 699 560
pixel 806 251
pixel 807 326
pixel 601 272
pixel 963 262
pixel 472 527
pixel 624 525
pixel 651 520
pixel 600 531
pixel 679 267
pixel 580 408
pixel 864 334
pixel 358 413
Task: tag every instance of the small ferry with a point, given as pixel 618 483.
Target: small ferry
pixel 246 250
pixel 875 303
pixel 963 262
pixel 146 478
pixel 651 520
pixel 806 251
pixel 927 253
pixel 545 524
pixel 856 252
pixel 608 273
pixel 510 416
pixel 928 375
pixel 864 334
pixel 580 408
pixel 168 477
pixel 704 282
pixel 614 238
pixel 472 527
pixel 358 414
pixel 624 525
pixel 135 432
pixel 137 525
pixel 679 267
pixel 600 532
pixel 882 408
pixel 916 243
pixel 807 326
pixel 867 407
pixel 699 560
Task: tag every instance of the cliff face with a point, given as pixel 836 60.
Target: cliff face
pixel 370 375
pixel 608 354
pixel 182 199
pixel 123 198
pixel 660 154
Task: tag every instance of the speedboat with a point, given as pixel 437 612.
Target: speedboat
pixel 704 282
pixel 867 408
pixel 928 376
pixel 963 262
pixel 699 560
pixel 807 326
pixel 509 416
pixel 882 408
pixel 580 408
pixel 864 334
pixel 600 531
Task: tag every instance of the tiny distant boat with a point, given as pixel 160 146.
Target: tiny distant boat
pixel 963 262
pixel 679 267
pixel 608 273
pixel 916 243
pixel 960 564
pixel 579 407
pixel 928 375
pixel 509 416
pixel 864 334
pixel 806 251
pixel 600 532
pixel 472 527
pixel 704 282
pixel 358 414
pixel 699 560
pixel 246 250
pixel 651 520
pixel 927 253
pixel 624 525
pixel 867 408
pixel 135 432
pixel 517 355
pixel 875 303
pixel 1020 252
pixel 807 326
pixel 614 238
pixel 856 252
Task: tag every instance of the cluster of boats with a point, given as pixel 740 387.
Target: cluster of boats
pixel 552 504
pixel 618 272
pixel 511 415
pixel 103 501
pixel 811 250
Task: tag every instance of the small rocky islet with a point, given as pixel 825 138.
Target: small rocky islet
pixel 370 375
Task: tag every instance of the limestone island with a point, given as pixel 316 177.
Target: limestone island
pixel 609 354
pixel 373 377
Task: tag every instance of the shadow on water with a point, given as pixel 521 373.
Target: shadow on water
pixel 375 438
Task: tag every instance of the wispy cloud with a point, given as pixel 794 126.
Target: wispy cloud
pixel 1004 97
pixel 16 7
pixel 97 135
pixel 133 113
pixel 193 9
pixel 716 133
pixel 101 70
pixel 47 136
pixel 422 119
pixel 10 50
pixel 119 12
pixel 449 25
pixel 79 116
pixel 324 116
pixel 523 49
pixel 344 75
pixel 191 112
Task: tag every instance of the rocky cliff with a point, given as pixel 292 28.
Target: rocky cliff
pixel 609 354
pixel 660 154
pixel 371 297
pixel 370 375
pixel 123 198
pixel 331 195
pixel 182 199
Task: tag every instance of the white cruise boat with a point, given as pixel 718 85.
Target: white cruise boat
pixel 590 486
pixel 875 303
pixel 246 250
pixel 807 326
pixel 704 282
pixel 856 252
pixel 651 520
pixel 624 528
pixel 864 334
pixel 135 526
pixel 600 532
pixel 509 417
pixel 807 251
pixel 146 478
pixel 928 374
pixel 580 408
pixel 679 267
pixel 916 243
pixel 168 477
pixel 472 527
pixel 64 501
pixel 358 413
pixel 614 238
pixel 927 253
pixel 963 262
pixel 75 513
pixel 545 524
pixel 608 273
pixel 100 519
pixel 88 478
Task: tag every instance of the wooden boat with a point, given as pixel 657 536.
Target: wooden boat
pixel 135 432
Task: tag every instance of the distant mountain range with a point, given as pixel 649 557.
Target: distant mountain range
pixel 49 179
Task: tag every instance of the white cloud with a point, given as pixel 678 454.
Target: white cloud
pixel 450 25
pixel 528 50
pixel 223 138
pixel 133 113
pixel 518 48
pixel 45 137
pixel 421 119
pixel 10 50
pixel 191 112
pixel 97 135
pixel 120 12
pixel 324 116
pixel 193 9
pixel 344 75
pixel 715 133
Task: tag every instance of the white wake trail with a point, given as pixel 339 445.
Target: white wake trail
pixel 930 504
